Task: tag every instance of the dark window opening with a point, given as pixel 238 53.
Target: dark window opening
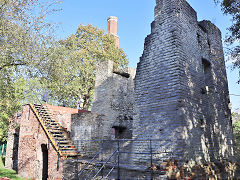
pixel 120 132
pixel 123 74
pixel 207 72
pixel 45 162
pixel 19 115
pixel 199 38
pixel 202 123
pixel 209 44
pixel 203 90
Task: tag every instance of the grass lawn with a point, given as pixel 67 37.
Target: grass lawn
pixel 8 173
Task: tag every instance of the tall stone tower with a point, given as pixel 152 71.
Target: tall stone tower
pixel 181 88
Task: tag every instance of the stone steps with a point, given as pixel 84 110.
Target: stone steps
pixel 61 138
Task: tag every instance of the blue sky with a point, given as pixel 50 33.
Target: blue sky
pixel 135 17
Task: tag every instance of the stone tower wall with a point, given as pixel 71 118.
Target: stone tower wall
pixel 157 87
pixel 171 99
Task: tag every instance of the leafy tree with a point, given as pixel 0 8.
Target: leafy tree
pixel 236 131
pixel 232 7
pixel 11 92
pixel 70 70
pixel 24 37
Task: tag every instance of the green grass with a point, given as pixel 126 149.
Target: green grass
pixel 8 173
pixel 1 161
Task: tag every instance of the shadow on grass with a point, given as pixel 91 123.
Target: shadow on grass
pixel 8 172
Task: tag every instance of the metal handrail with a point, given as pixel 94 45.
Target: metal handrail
pixel 105 163
pixel 111 170
pixel 96 140
pixel 88 163
pixel 93 168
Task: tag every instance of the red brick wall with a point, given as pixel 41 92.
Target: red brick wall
pixel 63 115
pixel 30 153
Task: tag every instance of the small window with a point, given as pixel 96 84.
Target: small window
pixel 207 73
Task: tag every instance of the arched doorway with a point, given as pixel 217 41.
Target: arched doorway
pixel 45 161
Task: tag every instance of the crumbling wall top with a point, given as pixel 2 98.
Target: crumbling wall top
pixel 173 7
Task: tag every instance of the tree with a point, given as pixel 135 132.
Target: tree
pixel 24 37
pixel 232 7
pixel 236 132
pixel 11 92
pixel 23 28
pixel 70 72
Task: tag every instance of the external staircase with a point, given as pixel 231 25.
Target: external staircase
pixel 55 132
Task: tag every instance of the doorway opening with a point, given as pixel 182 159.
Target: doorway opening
pixel 45 161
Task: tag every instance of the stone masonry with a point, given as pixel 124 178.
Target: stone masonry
pixel 181 88
pixel 114 93
pixel 111 117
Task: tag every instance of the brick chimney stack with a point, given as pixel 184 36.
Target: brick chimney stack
pixel 112 28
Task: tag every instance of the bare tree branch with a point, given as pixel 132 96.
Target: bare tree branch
pixel 11 64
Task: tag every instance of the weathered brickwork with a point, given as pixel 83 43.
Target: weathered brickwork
pixel 175 106
pixel 11 161
pixel 30 155
pixel 86 127
pixel 114 98
pixel 63 115
pixel 172 103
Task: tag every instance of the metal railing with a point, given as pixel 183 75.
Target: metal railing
pixel 115 154
pixel 111 157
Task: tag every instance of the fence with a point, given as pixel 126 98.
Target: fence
pixel 3 147
pixel 116 158
pixel 108 157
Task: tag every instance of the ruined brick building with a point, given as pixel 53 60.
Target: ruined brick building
pixel 177 98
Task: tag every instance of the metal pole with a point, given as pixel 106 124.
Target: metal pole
pixel 118 159
pixel 101 154
pixel 76 169
pixel 58 163
pixel 2 149
pixel 151 159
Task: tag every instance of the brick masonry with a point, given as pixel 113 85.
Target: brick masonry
pixel 181 57
pixel 86 127
pixel 29 157
pixel 179 99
